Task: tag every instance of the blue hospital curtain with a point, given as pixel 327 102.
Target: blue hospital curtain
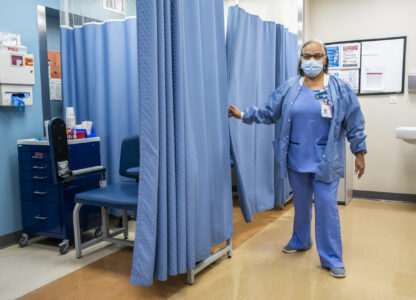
pixel 256 56
pixel 185 203
pixel 251 56
pixel 286 67
pixel 100 80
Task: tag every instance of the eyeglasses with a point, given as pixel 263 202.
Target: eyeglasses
pixel 316 56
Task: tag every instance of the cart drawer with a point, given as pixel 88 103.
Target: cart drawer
pixel 41 216
pixel 36 166
pixel 40 191
pixel 36 156
pixel 37 176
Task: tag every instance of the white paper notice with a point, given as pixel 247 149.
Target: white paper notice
pixel 55 90
pixel 349 76
pixel 350 55
pixel 374 79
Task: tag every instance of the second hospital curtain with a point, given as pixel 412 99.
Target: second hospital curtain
pixel 100 80
pixel 185 203
pixel 260 56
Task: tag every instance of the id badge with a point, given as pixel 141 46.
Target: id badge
pixel 326 110
pixel 322 94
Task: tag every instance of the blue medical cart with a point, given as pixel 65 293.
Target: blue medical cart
pixel 47 207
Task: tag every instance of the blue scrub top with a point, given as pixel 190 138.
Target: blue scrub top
pixel 309 132
pixel 347 121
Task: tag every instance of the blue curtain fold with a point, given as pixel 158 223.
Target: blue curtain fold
pixel 100 80
pixel 286 54
pixel 260 56
pixel 286 67
pixel 185 203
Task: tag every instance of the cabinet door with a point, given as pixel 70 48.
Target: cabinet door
pixel 84 155
pixel 90 216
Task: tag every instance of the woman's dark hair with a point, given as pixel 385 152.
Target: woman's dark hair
pixel 300 71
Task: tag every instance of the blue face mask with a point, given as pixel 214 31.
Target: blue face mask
pixel 312 67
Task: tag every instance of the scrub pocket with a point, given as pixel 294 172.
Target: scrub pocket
pixel 319 151
pixel 296 155
pixel 336 159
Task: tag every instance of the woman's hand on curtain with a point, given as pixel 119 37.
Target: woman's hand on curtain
pixel 233 111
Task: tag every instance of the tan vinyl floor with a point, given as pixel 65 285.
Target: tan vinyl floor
pixel 379 240
pixel 108 277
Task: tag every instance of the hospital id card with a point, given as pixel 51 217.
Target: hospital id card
pixel 326 110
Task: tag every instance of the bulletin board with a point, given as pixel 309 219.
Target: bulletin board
pixel 371 67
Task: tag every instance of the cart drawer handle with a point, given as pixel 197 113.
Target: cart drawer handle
pixel 40 218
pixel 71 187
pixel 39 193
pixel 37 157
pixel 39 177
pixel 38 167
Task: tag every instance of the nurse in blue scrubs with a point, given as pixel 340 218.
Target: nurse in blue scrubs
pixel 317 112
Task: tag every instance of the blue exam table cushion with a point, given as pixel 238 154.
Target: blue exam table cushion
pixel 122 195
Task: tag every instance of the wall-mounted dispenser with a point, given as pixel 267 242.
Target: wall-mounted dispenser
pixel 17 76
pixel 411 83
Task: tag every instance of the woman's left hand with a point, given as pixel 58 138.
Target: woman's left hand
pixel 359 164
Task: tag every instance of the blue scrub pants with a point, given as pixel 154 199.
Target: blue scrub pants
pixel 327 227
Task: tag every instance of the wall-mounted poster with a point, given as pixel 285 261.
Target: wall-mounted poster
pixel 54 58
pixel 333 53
pixel 55 87
pixel 349 76
pixel 350 55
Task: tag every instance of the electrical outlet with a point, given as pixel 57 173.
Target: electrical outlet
pixel 393 99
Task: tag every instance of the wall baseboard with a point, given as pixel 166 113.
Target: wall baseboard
pixel 10 239
pixel 384 196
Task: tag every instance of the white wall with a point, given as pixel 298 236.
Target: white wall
pixel 391 163
pixel 283 12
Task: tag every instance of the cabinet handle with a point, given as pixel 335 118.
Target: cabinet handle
pixel 39 177
pixel 38 167
pixel 71 187
pixel 41 218
pixel 37 157
pixel 39 193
